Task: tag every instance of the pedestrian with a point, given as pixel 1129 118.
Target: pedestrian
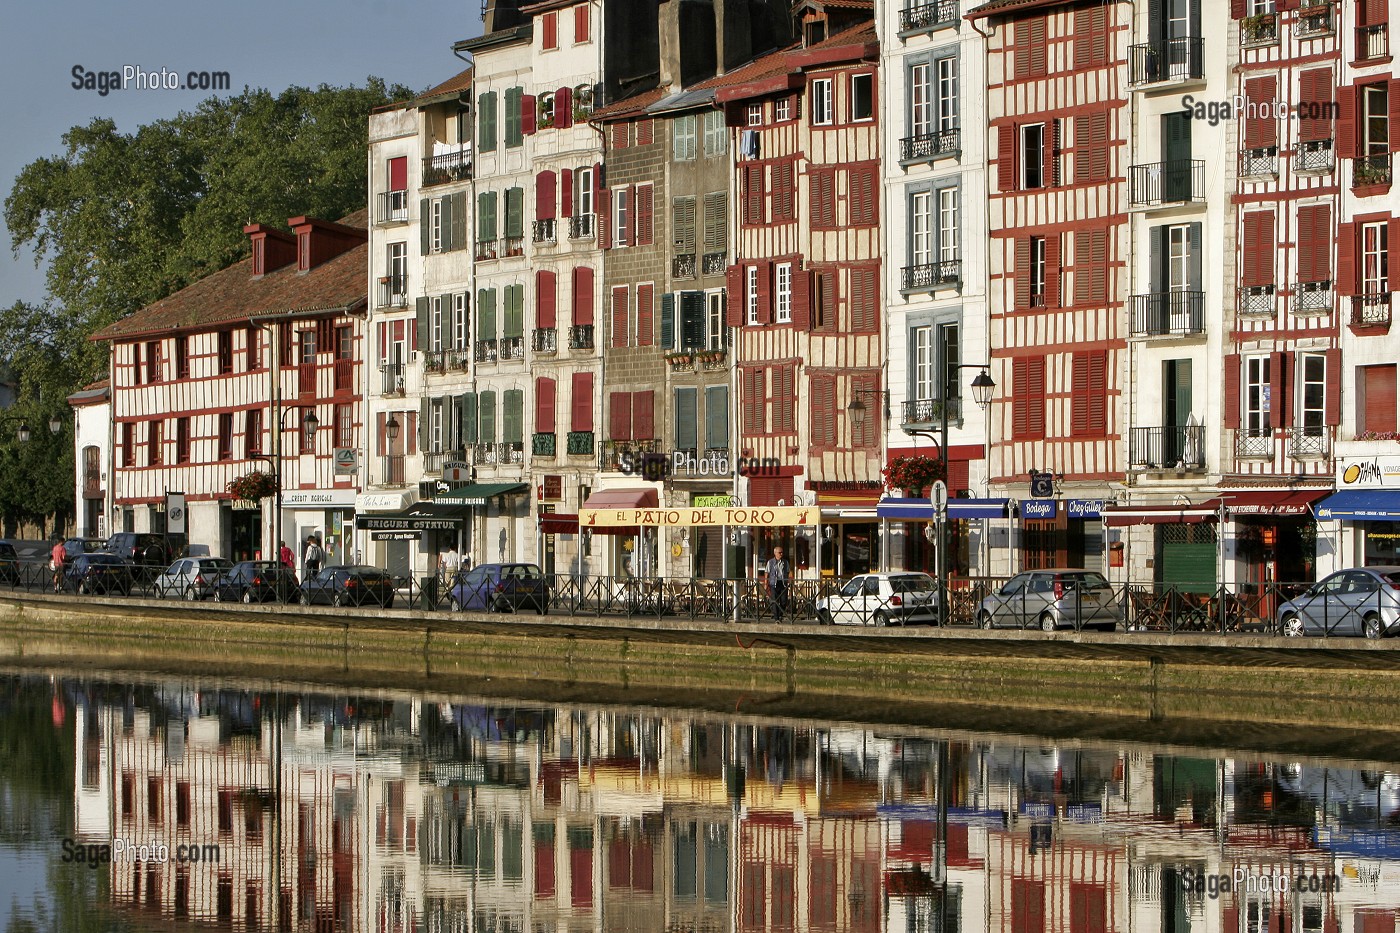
pixel 777 576
pixel 285 555
pixel 57 557
pixel 451 562
pixel 313 557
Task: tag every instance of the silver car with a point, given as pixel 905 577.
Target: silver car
pixel 1349 602
pixel 191 578
pixel 1051 599
pixel 882 599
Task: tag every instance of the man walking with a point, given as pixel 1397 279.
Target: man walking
pixel 314 556
pixel 57 557
pixel 777 573
pixel 285 555
pixel 451 563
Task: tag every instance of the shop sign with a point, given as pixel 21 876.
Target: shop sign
pixel 712 502
pixel 457 471
pixel 1084 508
pixel 1368 472
pixel 379 502
pixel 325 497
pixel 553 487
pixel 759 516
pixel 1039 508
pixel 347 461
pixel 404 523
pixel 396 536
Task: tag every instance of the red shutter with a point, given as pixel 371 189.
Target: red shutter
pixel 646 328
pixel 1346 122
pixel 566 193
pixel 544 196
pixel 564 108
pixel 734 296
pixel 645 200
pixel 551 30
pixel 1023 274
pixel 765 293
pixel 1006 157
pixel 1080 402
pixel 1346 259
pixel 545 299
pixel 1314 243
pixel 527 114
pixel 1380 399
pixel 1052 270
pixel 1258 248
pixel 1392 240
pixel 1020 399
pixel 398 173
pixel 1098 394
pixel 581 403
pixel 1260 131
pixel 380 435
pixel 644 415
pixel 629 229
pixel 1279 384
pixel 620 416
pixel 1332 407
pixel 645 132
pixel 825 432
pixel 1394 101
pixel 581 23
pixel 753 194
pixel 583 295
pixel 602 216
pixel 1035 375
pixel 1232 390
pixel 413 333
pixel 410 432
pixel 1315 89
pixel 619 317
pixel 544 405
pixel 1238 9
pixel 801 297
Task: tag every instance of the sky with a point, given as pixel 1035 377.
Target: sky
pixel 271 44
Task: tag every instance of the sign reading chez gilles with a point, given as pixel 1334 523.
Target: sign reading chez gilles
pixel 654 518
pixel 1362 472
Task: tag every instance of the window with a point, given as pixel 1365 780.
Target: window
pixel 717 417
pixel 755 194
pixel 153 443
pixel 862 185
pixel 153 361
pixel 344 343
pixel 182 357
pixel 716 139
pixel 226 436
pixel 821 102
pixel 1375 115
pixel 435 412
pixel 646 326
pixel 182 440
pixel 1374 258
pixel 782 293
pixel 862 97
pixel 226 351
pixel 949 355
pixel 620 208
pixel 549 23
pixel 1030 56
pixel 1028 398
pixel 751 294
pixel 755 114
pixel 1312 399
pixel 683 138
pixel 306 439
pixel 128 444
pixel 306 340
pixel 923 384
pixel 397 262
pixel 1376 398
pixel 645 203
pixel 1257 422
pixel 715 330
pixel 435 224
pixel 581 23
pixel 583 192
pixel 515 129
pixel 948 225
pixel 920 101
pixel 821 190
pixel 864 298
pixel 252 348
pixel 947 94
pixel 716 221
pixel 1037 271
pixel 252 432
pixel 1178 257
pixel 436 336
pixel 782 109
pixel 621 314
pixel 486 122
pixel 687 421
pixel 1089 404
pixel 459 320
pixel 785 193
pixel 344 426
pixel 921 229
pixel 1033 156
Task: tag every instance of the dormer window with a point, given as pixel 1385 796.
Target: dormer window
pixel 813 31
pixel 259 257
pixel 303 251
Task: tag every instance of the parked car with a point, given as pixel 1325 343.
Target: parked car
pixel 73 547
pixel 498 587
pixel 882 599
pixel 256 581
pixel 349 585
pixel 148 553
pixel 9 564
pixel 100 573
pixel 1360 601
pixel 191 578
pixel 1052 599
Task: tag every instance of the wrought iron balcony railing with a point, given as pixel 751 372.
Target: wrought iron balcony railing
pixel 486 249
pixel 581 337
pixel 1315 155
pixel 447 167
pixel 392 207
pixel 433 461
pixel 1257 300
pixel 928 412
pixel 512 348
pixel 511 452
pixel 1306 442
pixel 1170 447
pixel 435 361
pixel 1174 182
pixel 928 15
pixel 486 351
pixel 1314 19
pixel 1179 59
pixel 1260 29
pixel 1312 298
pixel 930 145
pixel 1372 41
pixel 579 443
pixel 713 263
pixel 391 470
pixel 1371 310
pixel 1254 442
pixel 683 266
pixel 1371 170
pixel 393 292
pixel 933 274
pixel 625 455
pixel 543 444
pixel 391 379
pixel 1174 312
pixel 581 227
pixel 542 231
pixel 486 453
pixel 512 246
pixel 1255 163
pixel 544 340
pixel 459 360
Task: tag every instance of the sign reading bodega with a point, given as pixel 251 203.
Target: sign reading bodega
pixel 654 518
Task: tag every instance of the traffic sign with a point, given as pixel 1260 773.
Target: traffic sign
pixel 940 496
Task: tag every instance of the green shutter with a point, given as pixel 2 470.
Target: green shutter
pixel 486 314
pixel 424 428
pixel 514 311
pixel 515 212
pixel 668 321
pixel 425 243
pixel 486 416
pixel 450 435
pixel 686 427
pixel 446 224
pixel 514 132
pixel 466 414
pixel 486 135
pixel 425 335
pixel 717 417
pixel 513 417
pixel 486 216
pixel 459 220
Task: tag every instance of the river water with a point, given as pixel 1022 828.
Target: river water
pixel 159 804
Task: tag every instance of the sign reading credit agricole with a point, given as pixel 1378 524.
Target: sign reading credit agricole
pixel 654 518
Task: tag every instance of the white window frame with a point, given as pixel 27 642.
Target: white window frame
pixel 1312 381
pixel 1375 261
pixel 437 336
pixel 851 96
pixel 1038 283
pixel 754 115
pixel 583 191
pixel 1260 8
pixel 459 320
pixel 946 93
pixel 1178 257
pixel 716 141
pixel 1033 155
pixel 782 293
pixel 782 109
pixel 1256 913
pixel 714 333
pixel 1258 405
pixel 397 261
pixel 751 294
pixel 923 361
pixel 683 131
pixel 921 236
pixel 619 217
pixel 949 224
pixel 1375 111
pixel 946 373
pixel 435 426
pixel 823 105
pixel 921 107
pixel 435 225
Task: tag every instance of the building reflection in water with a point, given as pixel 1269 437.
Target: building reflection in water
pixel 399 813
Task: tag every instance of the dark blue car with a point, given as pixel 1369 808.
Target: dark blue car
pixel 104 574
pixel 349 585
pixel 256 581
pixel 500 587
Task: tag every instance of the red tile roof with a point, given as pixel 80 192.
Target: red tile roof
pixel 993 7
pixel 790 60
pixel 630 106
pixel 458 82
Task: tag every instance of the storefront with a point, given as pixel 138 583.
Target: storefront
pixel 700 482
pixel 494 528
pixel 914 539
pixel 1061 533
pixel 632 547
pixel 1174 545
pixel 849 541
pixel 326 514
pixel 412 527
pixel 393 554
pixel 1273 536
pixel 1362 517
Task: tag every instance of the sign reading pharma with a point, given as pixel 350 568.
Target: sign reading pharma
pixel 319 498
pixel 1368 472
pixel 654 518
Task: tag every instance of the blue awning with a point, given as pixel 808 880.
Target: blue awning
pixel 977 508
pixel 921 510
pixel 1359 505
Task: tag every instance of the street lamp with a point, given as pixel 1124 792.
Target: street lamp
pixel 22 433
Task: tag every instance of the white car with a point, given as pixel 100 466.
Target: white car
pixel 882 599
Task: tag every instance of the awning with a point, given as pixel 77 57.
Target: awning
pixel 421 516
pixel 977 508
pixel 477 493
pixel 1359 505
pixel 558 523
pixel 632 497
pixel 1272 502
pixel 1118 516
pixel 921 510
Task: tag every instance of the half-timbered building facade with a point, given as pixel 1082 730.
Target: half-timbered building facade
pixel 199 380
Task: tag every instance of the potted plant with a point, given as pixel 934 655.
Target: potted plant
pixel 254 486
pixel 1258 27
pixel 912 473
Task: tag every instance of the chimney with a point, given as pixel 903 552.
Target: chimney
pixel 272 248
pixel 320 240
pixel 500 14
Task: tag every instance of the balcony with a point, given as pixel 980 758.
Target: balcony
pixel 434 459
pixel 1370 310
pixel 1372 42
pixel 1259 163
pixel 683 267
pixel 1314 19
pixel 1257 300
pixel 928 412
pixel 1176 313
pixel 486 249
pixel 1173 60
pixel 486 454
pixel 306 378
pixel 512 348
pixel 1371 170
pixel 579 443
pixel 459 360
pixel 513 246
pixel 1160 183
pixel 625 456
pixel 1308 442
pixel 926 146
pixel 435 361
pixel 392 208
pixel 928 15
pixel 581 227
pixel 581 337
pixel 510 452
pixel 1312 298
pixel 486 351
pixel 391 379
pixel 393 291
pixel 931 275
pixel 1254 442
pixel 713 263
pixel 542 231
pixel 1180 447
pixel 391 470
pixel 544 340
pixel 447 167
pixel 1313 156
pixel 1259 29
pixel 544 444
